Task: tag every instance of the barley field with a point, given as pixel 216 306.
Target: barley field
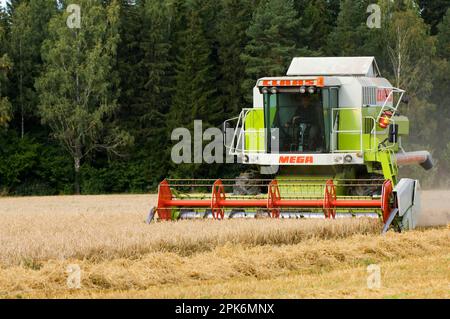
pixel 119 256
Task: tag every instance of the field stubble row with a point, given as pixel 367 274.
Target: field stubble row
pixel 106 227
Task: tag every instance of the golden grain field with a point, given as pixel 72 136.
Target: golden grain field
pixel 120 256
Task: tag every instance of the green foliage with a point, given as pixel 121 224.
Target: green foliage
pixel 194 96
pixel 433 12
pixel 410 50
pixel 30 168
pixel 29 20
pixel 272 42
pixel 78 87
pixel 17 158
pixel 5 105
pixel 233 22
pixel 443 46
pixel 5 68
pixel 351 37
pixel 317 24
pixel 440 97
pixel 74 99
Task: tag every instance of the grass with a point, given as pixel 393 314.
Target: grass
pixel 121 257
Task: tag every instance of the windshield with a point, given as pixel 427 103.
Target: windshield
pixel 300 120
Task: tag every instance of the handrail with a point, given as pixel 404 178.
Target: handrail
pixel 391 93
pixel 239 137
pixel 334 131
pixel 372 134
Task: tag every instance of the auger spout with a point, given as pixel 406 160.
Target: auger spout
pixel 423 158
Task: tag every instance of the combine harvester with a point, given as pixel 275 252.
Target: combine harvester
pixel 330 131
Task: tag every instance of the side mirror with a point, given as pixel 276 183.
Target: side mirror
pixel 226 125
pixel 406 99
pixel 393 133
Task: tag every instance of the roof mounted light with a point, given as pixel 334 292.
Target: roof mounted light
pixel 273 90
pixel 264 90
pixel 302 90
pixel 295 82
pixel 385 119
pixel 311 90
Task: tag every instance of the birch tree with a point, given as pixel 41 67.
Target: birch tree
pixel 78 87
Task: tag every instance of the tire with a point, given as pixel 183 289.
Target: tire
pixel 246 184
pixel 365 190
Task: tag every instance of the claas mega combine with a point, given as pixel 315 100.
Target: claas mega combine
pixel 327 138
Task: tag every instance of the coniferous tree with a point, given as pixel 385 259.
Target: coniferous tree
pixel 195 81
pixel 234 20
pixel 178 15
pixel 443 45
pixel 5 68
pixel 129 58
pixel 433 12
pixel 29 20
pixel 351 35
pixel 156 64
pixel 440 97
pixel 156 88
pixel 195 93
pixel 316 24
pixel 272 42
pixel 78 87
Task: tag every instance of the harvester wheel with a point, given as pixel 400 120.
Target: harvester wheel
pixel 386 199
pixel 329 207
pixel 218 214
pixel 246 184
pixel 366 189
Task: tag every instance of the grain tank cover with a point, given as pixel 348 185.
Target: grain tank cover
pixel 334 66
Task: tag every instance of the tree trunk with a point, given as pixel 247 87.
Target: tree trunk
pixel 22 122
pixel 22 115
pixel 77 157
pixel 77 175
pixel 77 166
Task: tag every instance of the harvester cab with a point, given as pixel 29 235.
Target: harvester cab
pixel 328 139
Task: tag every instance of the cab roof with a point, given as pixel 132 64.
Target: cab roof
pixel 334 66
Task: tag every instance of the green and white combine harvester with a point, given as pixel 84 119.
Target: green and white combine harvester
pixel 327 138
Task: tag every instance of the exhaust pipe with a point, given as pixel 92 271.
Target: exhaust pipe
pixel 423 158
